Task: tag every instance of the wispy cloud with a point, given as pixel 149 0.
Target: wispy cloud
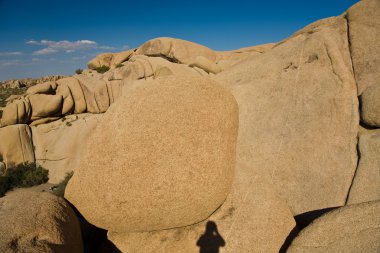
pixel 10 53
pixel 6 63
pixel 51 47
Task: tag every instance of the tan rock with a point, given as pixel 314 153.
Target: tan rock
pixel 353 228
pixel 45 105
pixel 44 121
pixel 68 101
pixel 118 58
pixel 95 92
pixel 177 50
pixel 365 186
pixel 59 145
pixel 100 60
pixel 76 92
pixel 364 34
pixel 42 88
pixel 252 219
pixel 206 65
pixel 16 145
pixel 370 106
pixel 16 112
pixel 168 150
pixel 38 222
pixel 299 115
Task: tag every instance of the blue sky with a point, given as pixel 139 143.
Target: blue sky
pixel 45 37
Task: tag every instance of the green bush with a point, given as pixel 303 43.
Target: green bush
pixel 79 71
pixel 59 190
pixel 22 175
pixel 102 69
pixel 119 65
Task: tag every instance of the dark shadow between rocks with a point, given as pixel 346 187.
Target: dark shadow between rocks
pixel 94 238
pixel 211 240
pixel 303 220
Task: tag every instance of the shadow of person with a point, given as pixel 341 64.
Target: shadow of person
pixel 211 240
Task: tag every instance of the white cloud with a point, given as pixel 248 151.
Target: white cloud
pixel 5 63
pixel 10 53
pixel 125 47
pixel 51 46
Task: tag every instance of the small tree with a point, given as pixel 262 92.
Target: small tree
pixel 79 71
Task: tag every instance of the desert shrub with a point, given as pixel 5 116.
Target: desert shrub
pixel 102 69
pixel 4 185
pixel 59 190
pixel 6 92
pixel 79 71
pixel 119 65
pixel 22 175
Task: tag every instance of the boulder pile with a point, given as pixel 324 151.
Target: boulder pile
pixel 180 148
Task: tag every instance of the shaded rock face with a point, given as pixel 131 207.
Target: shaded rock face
pixel 59 145
pixel 353 228
pixel 168 151
pixel 298 115
pixel 364 34
pixel 38 222
pixel 365 186
pixel 16 145
pixel 252 219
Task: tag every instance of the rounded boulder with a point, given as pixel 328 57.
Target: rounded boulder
pixel 163 157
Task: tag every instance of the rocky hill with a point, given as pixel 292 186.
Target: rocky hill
pixel 179 148
pixel 27 82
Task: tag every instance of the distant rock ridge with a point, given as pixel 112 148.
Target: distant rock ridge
pixel 27 82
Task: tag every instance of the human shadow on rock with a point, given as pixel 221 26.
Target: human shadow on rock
pixel 211 240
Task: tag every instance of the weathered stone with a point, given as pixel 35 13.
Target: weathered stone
pixel 167 149
pixel 366 184
pixel 59 145
pixel 38 222
pixel 16 112
pixel 299 115
pixel 42 88
pixel 252 219
pixel 95 93
pixel 45 105
pixel 68 101
pixel 76 92
pixel 351 229
pixel 16 145
pixel 370 106
pixel 177 50
pixel 364 34
pixel 100 60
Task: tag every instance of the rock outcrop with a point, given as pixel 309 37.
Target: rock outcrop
pixel 252 219
pixel 366 184
pixel 353 228
pixel 168 151
pixel 16 145
pixel 298 115
pixel 38 222
pixel 59 145
pixel 364 34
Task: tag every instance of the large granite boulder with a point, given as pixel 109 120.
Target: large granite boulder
pixel 162 157
pixel 350 229
pixel 364 35
pixel 16 145
pixel 36 222
pixel 299 115
pixel 59 145
pixel 366 184
pixel 252 219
